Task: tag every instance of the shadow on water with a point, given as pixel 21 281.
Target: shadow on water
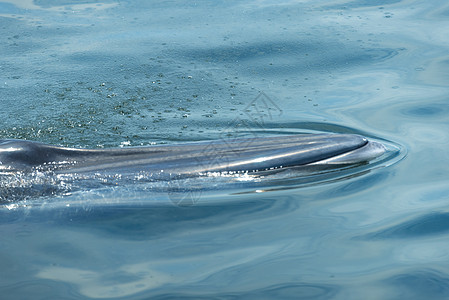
pixel 421 284
pixel 152 222
pixel 285 291
pixel 357 186
pixel 362 3
pixel 417 109
pixel 307 56
pixel 421 226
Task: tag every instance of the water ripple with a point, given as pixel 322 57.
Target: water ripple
pixel 421 284
pixel 421 226
pixel 284 291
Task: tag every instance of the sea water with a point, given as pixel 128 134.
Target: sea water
pixel 112 73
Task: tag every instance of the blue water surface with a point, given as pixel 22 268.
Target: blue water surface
pixel 130 73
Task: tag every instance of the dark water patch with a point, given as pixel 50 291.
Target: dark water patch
pixel 290 57
pixel 362 3
pixel 98 59
pixel 421 284
pixel 355 186
pixel 421 226
pixel 39 290
pixel 430 110
pixel 281 291
pixel 64 251
pixel 443 13
pixel 151 222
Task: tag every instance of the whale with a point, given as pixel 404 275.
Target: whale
pixel 30 170
pixel 194 158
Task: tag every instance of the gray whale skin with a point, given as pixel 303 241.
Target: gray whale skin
pixel 194 158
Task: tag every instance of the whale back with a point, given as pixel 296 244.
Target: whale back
pixel 235 155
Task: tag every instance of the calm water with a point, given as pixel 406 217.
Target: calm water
pixel 128 73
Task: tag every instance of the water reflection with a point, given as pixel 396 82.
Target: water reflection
pixel 362 4
pixel 421 226
pixel 275 59
pixel 59 5
pixel 117 252
pixel 421 283
pixel 286 291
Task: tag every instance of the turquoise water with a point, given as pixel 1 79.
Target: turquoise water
pixel 130 73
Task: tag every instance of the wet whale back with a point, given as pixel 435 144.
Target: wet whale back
pixel 212 156
pixel 30 170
